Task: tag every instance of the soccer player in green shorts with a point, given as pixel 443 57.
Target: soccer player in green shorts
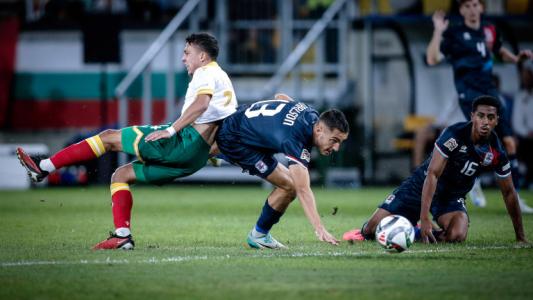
pixel 163 152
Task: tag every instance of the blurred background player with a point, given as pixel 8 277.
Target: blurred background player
pixel 523 120
pixel 468 47
pixel 440 184
pixel 164 152
pixel 251 137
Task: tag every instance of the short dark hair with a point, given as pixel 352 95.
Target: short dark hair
pixel 461 2
pixel 335 119
pixel 206 42
pixel 486 100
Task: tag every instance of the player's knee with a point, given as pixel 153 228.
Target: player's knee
pixel 456 236
pixel 290 192
pixel 110 138
pixel 123 175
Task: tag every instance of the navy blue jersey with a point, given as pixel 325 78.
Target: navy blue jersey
pixel 274 126
pixel 465 161
pixel 470 53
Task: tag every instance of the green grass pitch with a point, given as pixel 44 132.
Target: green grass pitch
pixel 191 245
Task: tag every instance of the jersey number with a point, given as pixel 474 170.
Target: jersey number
pixel 470 168
pixel 263 110
pixel 481 48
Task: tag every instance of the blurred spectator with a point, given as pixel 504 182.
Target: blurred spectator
pixel 113 6
pixel 70 11
pixel 522 120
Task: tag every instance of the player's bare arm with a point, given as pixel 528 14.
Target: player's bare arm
pixel 435 169
pixel 510 57
pixel 300 177
pixel 440 24
pixel 197 108
pixel 513 209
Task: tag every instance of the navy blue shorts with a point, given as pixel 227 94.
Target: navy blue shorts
pixel 440 207
pixel 249 159
pixel 466 99
pixel 406 200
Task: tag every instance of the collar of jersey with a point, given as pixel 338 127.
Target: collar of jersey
pixel 212 64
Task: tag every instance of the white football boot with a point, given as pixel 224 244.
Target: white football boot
pixel 477 196
pixel 266 241
pixel 524 207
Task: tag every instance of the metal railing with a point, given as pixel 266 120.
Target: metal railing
pixel 143 65
pixel 312 36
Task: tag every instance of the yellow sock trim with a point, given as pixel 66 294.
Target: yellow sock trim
pixel 96 145
pixel 115 187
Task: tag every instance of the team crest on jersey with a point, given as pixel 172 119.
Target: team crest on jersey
pixel 389 198
pixel 305 155
pixel 451 144
pixel 467 36
pixel 463 149
pixel 488 159
pixel 261 167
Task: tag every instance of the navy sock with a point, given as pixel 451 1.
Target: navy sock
pixel 514 171
pixel 267 219
pixel 367 236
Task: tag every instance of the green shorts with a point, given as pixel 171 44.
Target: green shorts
pixel 164 160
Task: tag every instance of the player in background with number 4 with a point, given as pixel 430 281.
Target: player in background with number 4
pixel 469 48
pixel 440 184
pixel 164 152
pixel 250 138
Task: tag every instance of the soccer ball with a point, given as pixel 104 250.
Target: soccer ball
pixel 395 233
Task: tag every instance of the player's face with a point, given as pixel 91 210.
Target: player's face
pixel 193 58
pixel 484 119
pixel 471 11
pixel 327 140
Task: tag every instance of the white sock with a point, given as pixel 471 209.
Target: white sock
pixel 122 231
pixel 257 234
pixel 47 165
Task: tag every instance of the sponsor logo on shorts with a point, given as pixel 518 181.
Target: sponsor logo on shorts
pixel 261 166
pixel 305 155
pixel 389 198
pixel 451 144
pixel 462 201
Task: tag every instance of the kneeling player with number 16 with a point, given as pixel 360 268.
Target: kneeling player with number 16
pixel 440 184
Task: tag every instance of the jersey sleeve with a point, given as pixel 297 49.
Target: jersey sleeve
pixel 203 82
pixel 446 44
pixel 296 152
pixel 502 167
pixel 447 143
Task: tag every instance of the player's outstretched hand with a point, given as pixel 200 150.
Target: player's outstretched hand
pixel 156 135
pixel 525 55
pixel 325 236
pixel 439 21
pixel 426 232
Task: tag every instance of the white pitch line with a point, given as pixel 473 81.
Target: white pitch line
pixel 260 254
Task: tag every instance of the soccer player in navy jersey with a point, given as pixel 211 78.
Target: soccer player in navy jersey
pixel 469 48
pixel 440 184
pixel 250 138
